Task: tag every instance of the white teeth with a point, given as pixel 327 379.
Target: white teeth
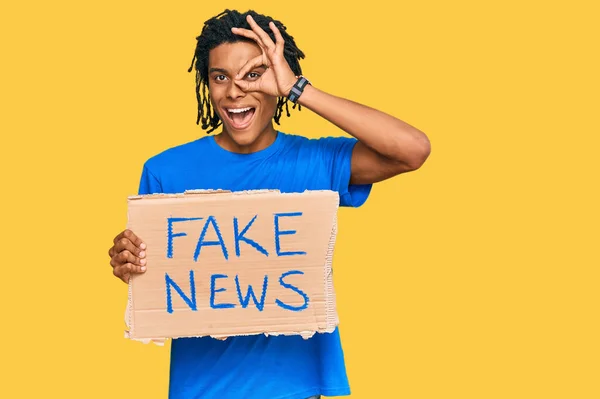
pixel 238 110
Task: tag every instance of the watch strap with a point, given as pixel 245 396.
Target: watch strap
pixel 297 89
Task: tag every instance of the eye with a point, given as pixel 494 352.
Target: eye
pixel 253 75
pixel 220 78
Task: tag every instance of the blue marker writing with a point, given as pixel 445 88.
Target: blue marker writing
pixel 191 302
pixel 295 289
pixel 284 232
pixel 213 292
pixel 244 301
pixel 170 234
pixel 201 242
pixel 240 237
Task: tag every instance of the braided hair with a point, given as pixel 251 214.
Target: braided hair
pixel 216 31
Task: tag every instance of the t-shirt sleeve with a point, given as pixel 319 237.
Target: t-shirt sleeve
pixel 338 154
pixel 149 184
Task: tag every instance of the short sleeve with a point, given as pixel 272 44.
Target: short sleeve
pixel 337 152
pixel 149 184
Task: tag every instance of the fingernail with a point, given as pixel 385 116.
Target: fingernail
pixel 143 246
pixel 142 254
pixel 143 261
pixel 143 268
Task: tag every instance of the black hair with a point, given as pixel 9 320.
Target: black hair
pixel 216 31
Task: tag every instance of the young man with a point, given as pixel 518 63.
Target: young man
pixel 247 71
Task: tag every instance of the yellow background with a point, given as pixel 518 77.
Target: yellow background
pixel 473 277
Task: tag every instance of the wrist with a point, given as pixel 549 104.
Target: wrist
pixel 297 89
pixel 306 96
pixel 288 87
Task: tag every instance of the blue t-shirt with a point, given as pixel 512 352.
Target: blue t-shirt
pixel 257 367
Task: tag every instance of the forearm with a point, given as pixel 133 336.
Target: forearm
pixel 386 135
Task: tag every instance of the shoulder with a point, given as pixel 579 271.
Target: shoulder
pixel 318 143
pixel 331 151
pixel 173 156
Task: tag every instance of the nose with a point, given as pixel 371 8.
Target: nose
pixel 234 91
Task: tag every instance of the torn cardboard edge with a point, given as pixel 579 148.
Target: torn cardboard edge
pixel 332 319
pixel 188 193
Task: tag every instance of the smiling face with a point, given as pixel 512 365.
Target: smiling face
pixel 247 117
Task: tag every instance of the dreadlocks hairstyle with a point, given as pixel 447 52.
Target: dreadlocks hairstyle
pixel 216 31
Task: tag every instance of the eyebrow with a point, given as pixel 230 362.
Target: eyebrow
pixel 211 70
pixel 221 70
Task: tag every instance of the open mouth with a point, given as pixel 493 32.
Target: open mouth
pixel 240 118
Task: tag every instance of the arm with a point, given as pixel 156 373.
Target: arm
pixel 386 145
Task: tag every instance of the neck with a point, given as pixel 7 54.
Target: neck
pixel 263 140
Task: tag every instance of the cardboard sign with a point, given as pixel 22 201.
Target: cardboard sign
pixel 233 263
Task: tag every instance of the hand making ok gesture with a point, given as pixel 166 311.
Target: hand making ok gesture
pixel 278 78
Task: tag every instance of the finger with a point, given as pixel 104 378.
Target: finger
pixel 124 244
pixel 128 269
pixel 130 235
pixel 123 276
pixel 279 42
pixel 134 239
pixel 248 66
pixel 121 273
pixel 131 268
pixel 127 257
pixel 265 38
pixel 119 236
pixel 250 35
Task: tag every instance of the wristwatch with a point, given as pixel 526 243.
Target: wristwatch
pixel 297 89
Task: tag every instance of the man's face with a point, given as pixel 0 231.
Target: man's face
pixel 245 116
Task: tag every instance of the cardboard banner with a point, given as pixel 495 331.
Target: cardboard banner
pixel 233 263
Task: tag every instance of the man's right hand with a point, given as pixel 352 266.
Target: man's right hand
pixel 127 255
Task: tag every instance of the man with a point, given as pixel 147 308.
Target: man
pixel 244 78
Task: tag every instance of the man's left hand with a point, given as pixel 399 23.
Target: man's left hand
pixel 278 79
